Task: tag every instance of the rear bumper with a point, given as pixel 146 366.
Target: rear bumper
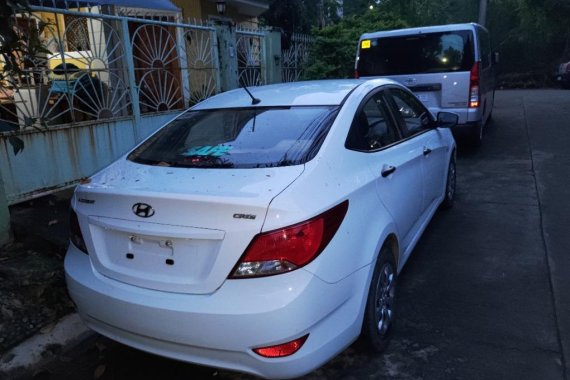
pixel 466 128
pixel 222 328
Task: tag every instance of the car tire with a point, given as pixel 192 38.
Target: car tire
pixel 379 314
pixel 450 184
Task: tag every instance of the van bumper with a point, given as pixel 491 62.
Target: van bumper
pixel 467 132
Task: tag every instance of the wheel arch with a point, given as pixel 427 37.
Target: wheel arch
pixel 391 242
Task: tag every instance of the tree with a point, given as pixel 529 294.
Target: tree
pixel 433 12
pixel 301 15
pixel 531 35
pixel 12 46
pixel 355 7
pixel 333 53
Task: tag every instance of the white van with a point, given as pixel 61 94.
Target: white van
pixel 449 68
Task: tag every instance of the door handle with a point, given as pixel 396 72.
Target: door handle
pixel 427 151
pixel 388 170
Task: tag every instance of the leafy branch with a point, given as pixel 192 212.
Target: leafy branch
pixel 18 51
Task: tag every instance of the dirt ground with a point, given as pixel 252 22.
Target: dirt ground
pixel 32 289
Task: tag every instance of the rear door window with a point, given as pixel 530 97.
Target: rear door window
pixel 413 117
pixel 238 138
pixel 372 128
pixel 416 54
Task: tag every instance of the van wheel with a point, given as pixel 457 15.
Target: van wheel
pixel 379 314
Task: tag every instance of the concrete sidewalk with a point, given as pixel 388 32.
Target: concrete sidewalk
pixel 22 361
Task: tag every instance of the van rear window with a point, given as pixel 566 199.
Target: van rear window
pixel 416 54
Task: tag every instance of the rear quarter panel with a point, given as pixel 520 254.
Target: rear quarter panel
pixel 334 175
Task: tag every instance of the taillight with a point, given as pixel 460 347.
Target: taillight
pixel 356 75
pixel 75 234
pixel 474 86
pixel 281 350
pixel 289 248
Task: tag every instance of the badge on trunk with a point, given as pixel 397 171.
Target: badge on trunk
pixel 143 210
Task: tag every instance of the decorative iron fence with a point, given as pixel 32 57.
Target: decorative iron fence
pixel 250 56
pixel 100 66
pixel 295 57
pixel 202 63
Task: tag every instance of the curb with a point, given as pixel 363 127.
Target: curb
pixel 28 356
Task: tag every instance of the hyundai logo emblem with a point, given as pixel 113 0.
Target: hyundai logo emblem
pixel 143 210
pixel 410 81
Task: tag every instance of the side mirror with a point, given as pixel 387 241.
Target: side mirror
pixel 495 57
pixel 447 120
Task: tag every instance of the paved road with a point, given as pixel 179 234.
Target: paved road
pixel 486 292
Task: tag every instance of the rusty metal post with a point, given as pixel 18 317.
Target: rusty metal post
pixel 272 57
pixel 133 88
pixel 228 56
pixel 482 12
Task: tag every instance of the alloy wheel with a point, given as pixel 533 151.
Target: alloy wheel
pixel 385 292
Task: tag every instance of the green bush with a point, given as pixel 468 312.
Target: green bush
pixel 334 50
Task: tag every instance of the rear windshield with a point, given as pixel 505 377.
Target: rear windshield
pixel 238 138
pixel 416 54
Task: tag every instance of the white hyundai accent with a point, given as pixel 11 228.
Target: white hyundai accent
pixel 262 231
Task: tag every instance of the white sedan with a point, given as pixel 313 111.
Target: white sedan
pixel 262 230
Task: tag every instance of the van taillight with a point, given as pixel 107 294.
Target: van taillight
pixel 356 75
pixel 474 86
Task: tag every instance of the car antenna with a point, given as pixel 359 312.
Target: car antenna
pixel 254 100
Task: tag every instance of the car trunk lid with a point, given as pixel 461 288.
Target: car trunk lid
pixel 175 229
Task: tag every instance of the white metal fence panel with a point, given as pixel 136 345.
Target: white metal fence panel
pixel 250 56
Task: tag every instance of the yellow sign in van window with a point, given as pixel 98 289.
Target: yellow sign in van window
pixel 365 44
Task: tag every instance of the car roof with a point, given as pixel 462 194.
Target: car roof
pixel 309 93
pixel 420 30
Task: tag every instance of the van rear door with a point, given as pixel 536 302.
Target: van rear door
pixel 435 66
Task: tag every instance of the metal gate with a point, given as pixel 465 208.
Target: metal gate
pixel 105 81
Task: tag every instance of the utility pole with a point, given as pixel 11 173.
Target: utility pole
pixel 482 12
pixel 321 14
